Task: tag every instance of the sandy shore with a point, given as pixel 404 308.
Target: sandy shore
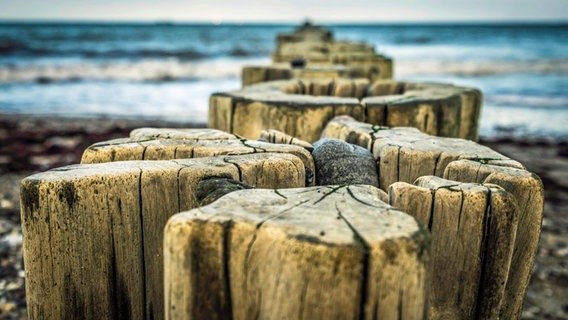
pixel 30 144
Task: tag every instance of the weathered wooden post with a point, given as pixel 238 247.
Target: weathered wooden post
pixel 473 234
pixel 405 155
pixel 185 147
pixel 301 107
pixel 93 232
pixel 311 52
pixel 528 190
pixel 334 252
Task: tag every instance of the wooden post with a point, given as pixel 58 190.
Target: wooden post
pixel 527 188
pixel 184 147
pixel 93 233
pixel 297 107
pixel 296 253
pixel 473 233
pixel 404 154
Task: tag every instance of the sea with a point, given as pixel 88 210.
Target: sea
pixel 167 71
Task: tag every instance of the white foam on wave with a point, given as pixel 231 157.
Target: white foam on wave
pixel 144 70
pixel 527 100
pixel 479 67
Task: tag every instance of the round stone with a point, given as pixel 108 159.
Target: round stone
pixel 338 162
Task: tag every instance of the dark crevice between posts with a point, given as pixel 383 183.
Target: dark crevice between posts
pixel 309 176
pixel 431 218
pixel 365 111
pixel 436 161
pixel 232 115
pixel 178 189
pixel 365 272
pixel 378 164
pixel 486 229
pixel 372 143
pixel 143 255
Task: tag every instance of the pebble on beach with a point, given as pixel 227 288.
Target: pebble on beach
pixel 338 162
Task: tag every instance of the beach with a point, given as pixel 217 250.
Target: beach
pixel 32 144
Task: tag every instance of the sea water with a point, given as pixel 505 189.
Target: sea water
pixel 167 71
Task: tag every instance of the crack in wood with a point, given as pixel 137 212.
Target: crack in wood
pixel 108 144
pixel 359 200
pixel 244 142
pixel 226 160
pixel 143 260
pixel 280 194
pixel 483 258
pixel 333 189
pixel 366 257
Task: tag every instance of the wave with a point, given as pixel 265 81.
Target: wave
pixel 147 70
pixel 171 69
pixel 476 68
pixel 22 50
pixel 527 101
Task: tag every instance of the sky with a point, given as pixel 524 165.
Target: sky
pixel 218 11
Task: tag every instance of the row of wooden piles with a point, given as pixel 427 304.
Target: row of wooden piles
pixel 448 231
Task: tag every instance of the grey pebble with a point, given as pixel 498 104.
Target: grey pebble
pixel 338 162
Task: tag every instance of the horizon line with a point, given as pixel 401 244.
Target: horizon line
pixel 281 22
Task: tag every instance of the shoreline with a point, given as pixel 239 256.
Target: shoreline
pixel 33 143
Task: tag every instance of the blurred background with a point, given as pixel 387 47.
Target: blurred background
pixel 141 59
